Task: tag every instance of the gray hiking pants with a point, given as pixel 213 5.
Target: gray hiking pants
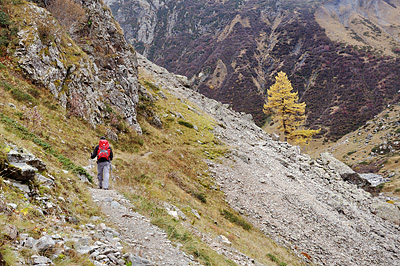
pixel 103 173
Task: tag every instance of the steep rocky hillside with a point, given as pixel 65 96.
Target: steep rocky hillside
pixel 231 51
pixel 302 203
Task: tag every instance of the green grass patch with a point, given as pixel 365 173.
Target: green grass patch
pixel 18 94
pixel 150 85
pixel 276 260
pixel 143 178
pixel 233 218
pixel 200 196
pixel 186 124
pixel 6 86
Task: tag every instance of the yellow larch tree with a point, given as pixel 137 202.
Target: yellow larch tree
pixel 290 114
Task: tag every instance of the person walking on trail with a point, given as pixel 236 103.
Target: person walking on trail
pixel 104 155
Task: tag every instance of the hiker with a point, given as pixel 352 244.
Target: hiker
pixel 104 155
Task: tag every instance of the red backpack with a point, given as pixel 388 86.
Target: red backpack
pixel 104 150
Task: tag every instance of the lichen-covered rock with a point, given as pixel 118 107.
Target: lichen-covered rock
pixel 45 244
pixel 15 156
pixel 10 231
pixel 22 165
pixel 85 81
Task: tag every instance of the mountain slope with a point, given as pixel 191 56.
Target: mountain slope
pixel 232 51
pixel 216 183
pixel 368 24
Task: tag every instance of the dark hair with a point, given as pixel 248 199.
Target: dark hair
pixel 103 138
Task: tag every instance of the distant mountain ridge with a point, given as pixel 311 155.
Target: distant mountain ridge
pixel 231 51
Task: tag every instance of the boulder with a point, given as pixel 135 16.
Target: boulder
pixel 347 174
pixel 22 165
pixel 41 260
pixel 45 244
pixel 138 261
pixel 10 231
pixel 224 240
pixel 17 157
pixel 156 121
pixel 21 172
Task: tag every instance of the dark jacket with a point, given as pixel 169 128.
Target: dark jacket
pixel 96 150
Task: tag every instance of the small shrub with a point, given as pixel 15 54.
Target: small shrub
pixel 276 260
pixel 76 106
pixel 46 35
pixel 109 109
pixel 4 19
pixel 33 118
pixel 200 196
pixel 50 105
pixel 186 124
pixel 236 219
pixel 351 152
pixel 272 257
pixel 2 66
pixel 397 190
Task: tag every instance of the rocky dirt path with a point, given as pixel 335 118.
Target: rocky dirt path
pixel 137 231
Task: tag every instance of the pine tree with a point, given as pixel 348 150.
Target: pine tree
pixel 288 111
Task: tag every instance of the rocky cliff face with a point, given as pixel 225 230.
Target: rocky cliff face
pixel 232 50
pixel 93 74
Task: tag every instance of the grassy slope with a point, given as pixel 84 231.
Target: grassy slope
pixel 162 165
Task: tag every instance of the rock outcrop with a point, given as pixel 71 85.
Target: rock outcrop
pixel 348 174
pixel 88 74
pixel 22 165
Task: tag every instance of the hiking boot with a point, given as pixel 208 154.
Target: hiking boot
pixel 106 188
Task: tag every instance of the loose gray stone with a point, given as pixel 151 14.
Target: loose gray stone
pixel 162 95
pixel 40 260
pixel 45 244
pixel 10 231
pixel 138 261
